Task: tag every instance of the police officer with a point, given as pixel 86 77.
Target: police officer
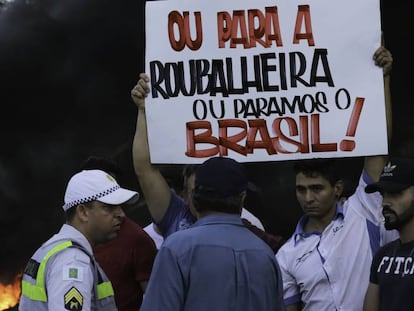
pixel 63 273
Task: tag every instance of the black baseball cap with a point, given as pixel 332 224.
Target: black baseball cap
pixel 221 177
pixel 396 176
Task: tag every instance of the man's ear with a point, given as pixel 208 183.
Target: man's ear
pixel 82 211
pixel 339 188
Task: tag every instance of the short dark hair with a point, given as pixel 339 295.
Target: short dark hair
pixel 70 213
pixel 102 163
pixel 325 168
pixel 203 201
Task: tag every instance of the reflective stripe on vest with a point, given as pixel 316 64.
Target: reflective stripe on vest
pixel 38 292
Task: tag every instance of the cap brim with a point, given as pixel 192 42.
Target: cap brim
pixel 384 186
pixel 119 197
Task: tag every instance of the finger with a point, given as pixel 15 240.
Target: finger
pixel 138 92
pixel 144 76
pixel 379 51
pixel 135 93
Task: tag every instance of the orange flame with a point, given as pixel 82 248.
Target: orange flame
pixel 10 294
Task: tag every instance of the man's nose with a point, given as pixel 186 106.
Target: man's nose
pixel 309 195
pixel 119 212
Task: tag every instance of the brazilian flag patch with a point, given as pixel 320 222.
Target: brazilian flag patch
pixel 73 300
pixel 73 273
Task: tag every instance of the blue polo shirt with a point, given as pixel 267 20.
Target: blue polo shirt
pixel 177 217
pixel 216 264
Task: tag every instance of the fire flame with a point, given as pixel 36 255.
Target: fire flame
pixel 10 294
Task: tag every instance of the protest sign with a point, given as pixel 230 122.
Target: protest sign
pixel 263 80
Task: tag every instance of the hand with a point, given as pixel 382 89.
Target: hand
pixel 383 58
pixel 140 90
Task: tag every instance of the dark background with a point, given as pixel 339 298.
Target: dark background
pixel 66 71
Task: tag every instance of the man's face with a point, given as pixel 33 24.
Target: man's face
pixel 104 221
pixel 398 208
pixel 316 195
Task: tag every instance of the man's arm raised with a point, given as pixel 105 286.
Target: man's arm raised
pixel 383 58
pixel 154 187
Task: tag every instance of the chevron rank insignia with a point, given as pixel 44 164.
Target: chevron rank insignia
pixel 73 300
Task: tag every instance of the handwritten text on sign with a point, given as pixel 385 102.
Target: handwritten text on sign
pixel 262 96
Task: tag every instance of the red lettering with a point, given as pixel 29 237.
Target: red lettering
pixel 239 25
pixel 258 126
pixel 255 135
pixel 202 138
pixel 303 143
pixel 257 27
pixel 183 25
pixel 303 15
pixel 316 137
pixel 227 141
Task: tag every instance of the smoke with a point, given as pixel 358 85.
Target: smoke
pixel 67 68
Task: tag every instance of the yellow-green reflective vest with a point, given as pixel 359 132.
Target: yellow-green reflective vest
pixel 33 281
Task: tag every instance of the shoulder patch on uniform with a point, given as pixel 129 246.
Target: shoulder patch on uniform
pixel 73 300
pixel 72 273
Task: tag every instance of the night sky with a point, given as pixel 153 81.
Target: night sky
pixel 66 70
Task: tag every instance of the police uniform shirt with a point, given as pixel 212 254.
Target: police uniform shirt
pixel 69 277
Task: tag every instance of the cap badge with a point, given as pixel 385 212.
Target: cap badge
pixel 111 179
pixel 388 169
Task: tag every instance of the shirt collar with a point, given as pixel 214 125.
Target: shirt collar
pixel 301 234
pixel 71 233
pixel 219 218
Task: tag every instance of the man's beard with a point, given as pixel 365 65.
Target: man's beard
pixel 395 221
